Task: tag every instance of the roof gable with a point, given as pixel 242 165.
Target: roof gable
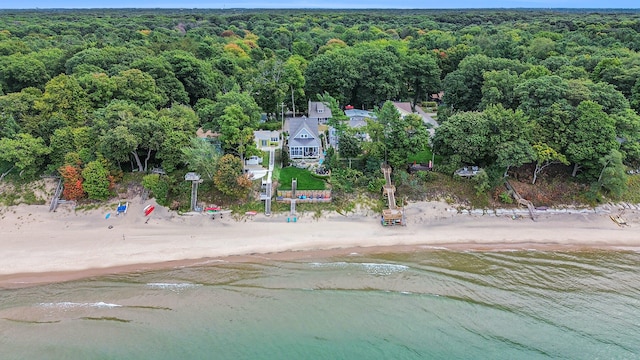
pixel 304 133
pixel 297 124
pixel 318 110
pixel 403 107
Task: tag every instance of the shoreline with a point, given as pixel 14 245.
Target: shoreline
pixel 25 280
pixel 40 247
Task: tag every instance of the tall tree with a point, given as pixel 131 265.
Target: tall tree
pixel 269 86
pixel 498 88
pixel 335 72
pixel 514 153
pixel 198 77
pixel 628 131
pixel 127 131
pixel 537 95
pixel 212 111
pixel 178 125
pixel 64 99
pixel 100 88
pixel 401 136
pixel 463 87
pixel 168 84
pixel 235 133
pixel 349 146
pixel 465 134
pixel 139 88
pixel 379 76
pixel 201 157
pixel 422 77
pixel 294 78
pixel 592 137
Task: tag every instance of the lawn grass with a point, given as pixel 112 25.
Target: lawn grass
pixel 423 157
pixel 306 180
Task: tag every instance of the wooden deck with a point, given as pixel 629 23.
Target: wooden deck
pixel 392 215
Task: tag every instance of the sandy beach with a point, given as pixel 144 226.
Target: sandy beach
pixel 41 246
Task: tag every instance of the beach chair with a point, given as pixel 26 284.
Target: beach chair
pixel 122 208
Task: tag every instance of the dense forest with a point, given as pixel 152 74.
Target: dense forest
pixel 93 94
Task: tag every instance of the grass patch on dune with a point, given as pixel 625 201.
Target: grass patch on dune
pixel 632 194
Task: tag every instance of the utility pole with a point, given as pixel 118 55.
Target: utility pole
pixel 282 114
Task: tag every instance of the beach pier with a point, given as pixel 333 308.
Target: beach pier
pixel 393 215
pixel 268 184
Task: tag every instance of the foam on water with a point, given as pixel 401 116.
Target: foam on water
pixel 384 269
pixel 172 286
pixel 370 268
pixel 71 305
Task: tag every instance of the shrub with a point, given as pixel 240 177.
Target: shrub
pixel 158 186
pixel 96 181
pixel 286 161
pixel 270 125
pixel 426 176
pixel 375 185
pixel 505 198
pixel 482 182
pixel 72 181
pixel 229 178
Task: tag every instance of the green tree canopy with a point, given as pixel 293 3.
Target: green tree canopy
pixel 229 178
pixel 592 137
pixel 236 135
pixel 24 152
pixel 201 157
pixel 96 180
pixel 421 75
pixel 465 134
pixel 214 110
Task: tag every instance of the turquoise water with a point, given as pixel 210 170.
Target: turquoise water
pixel 428 304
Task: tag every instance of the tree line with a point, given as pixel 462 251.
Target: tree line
pixel 123 89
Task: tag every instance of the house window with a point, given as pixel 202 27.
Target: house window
pixel 320 110
pixel 263 142
pixel 310 151
pixel 304 136
pixel 296 151
pixel 275 139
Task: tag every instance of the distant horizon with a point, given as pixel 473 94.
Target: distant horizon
pixel 323 5
pixel 321 8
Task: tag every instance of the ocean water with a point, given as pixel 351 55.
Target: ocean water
pixel 432 304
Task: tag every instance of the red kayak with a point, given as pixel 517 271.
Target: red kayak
pixel 148 210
